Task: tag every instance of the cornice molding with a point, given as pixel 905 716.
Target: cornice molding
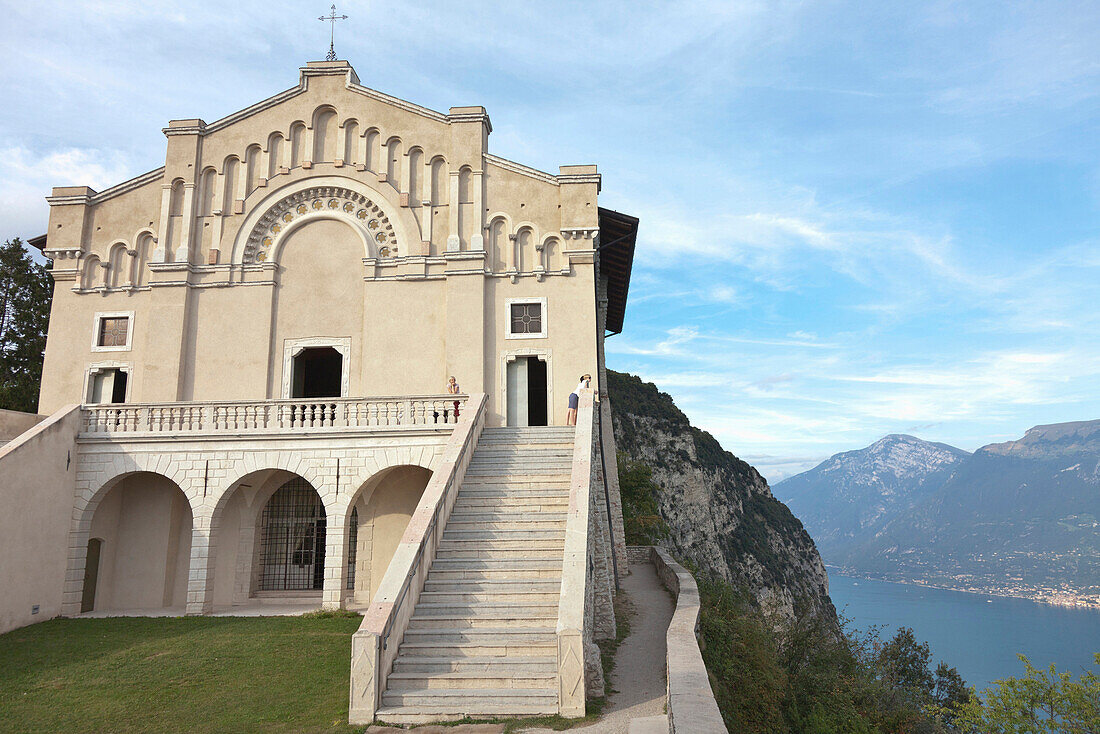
pixel 521 169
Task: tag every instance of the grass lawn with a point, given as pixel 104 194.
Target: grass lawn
pixel 192 674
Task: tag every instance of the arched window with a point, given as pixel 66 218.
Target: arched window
pixel 498 244
pixel 372 162
pixel 393 162
pixel 144 249
pixel 297 137
pixel 351 142
pixel 117 272
pixel 441 190
pixel 231 171
pixel 525 247
pixel 206 192
pixel 325 137
pixel 90 275
pixel 274 154
pixel 175 216
pixel 465 195
pixel 251 168
pixel 416 160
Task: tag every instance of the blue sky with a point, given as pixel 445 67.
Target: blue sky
pixel 857 218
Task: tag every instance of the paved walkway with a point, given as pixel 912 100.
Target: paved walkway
pixel 638 680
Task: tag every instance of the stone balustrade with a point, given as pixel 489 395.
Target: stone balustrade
pixel 271 416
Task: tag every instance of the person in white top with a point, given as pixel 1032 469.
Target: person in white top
pixel 574 400
pixel 453 389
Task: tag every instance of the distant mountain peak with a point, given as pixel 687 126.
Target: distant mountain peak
pixel 1053 439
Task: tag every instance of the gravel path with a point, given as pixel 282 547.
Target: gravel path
pixel 639 675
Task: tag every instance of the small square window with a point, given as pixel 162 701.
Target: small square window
pixel 526 318
pixel 113 331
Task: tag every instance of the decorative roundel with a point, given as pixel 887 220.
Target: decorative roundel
pixel 366 215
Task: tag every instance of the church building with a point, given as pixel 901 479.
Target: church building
pixel 247 399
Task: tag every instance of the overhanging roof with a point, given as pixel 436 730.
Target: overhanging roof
pixel 618 235
pixel 38 242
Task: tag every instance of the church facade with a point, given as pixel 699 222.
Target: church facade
pixel 248 374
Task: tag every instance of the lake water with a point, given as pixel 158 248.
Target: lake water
pixel 978 634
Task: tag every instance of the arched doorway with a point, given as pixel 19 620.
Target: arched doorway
pixel 292 539
pixel 139 548
pixel 379 514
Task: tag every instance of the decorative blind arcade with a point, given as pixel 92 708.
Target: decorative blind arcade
pixel 526 318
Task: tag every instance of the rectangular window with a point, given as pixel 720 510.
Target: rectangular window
pixel 113 331
pixel 526 318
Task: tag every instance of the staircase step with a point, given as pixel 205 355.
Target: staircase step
pixel 464 533
pixel 518 543
pixel 501 586
pixel 491 597
pixel 489 573
pixel 528 481
pixel 465 680
pixel 500 554
pixel 489 665
pixel 524 504
pixel 464 622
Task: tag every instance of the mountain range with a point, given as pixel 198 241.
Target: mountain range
pixel 1019 517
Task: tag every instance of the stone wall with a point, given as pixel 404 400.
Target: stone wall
pixel 690 701
pixel 37 476
pixel 13 423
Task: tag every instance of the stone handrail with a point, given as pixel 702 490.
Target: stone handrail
pixel 374 645
pixel 576 647
pixel 270 416
pixel 690 701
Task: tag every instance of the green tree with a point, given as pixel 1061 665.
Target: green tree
pixel 642 519
pixel 25 294
pixel 1042 702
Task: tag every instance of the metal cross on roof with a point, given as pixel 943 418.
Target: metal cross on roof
pixel 332 17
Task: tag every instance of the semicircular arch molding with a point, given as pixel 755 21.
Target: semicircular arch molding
pixel 380 222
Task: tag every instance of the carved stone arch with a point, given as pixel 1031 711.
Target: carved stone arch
pixel 287 461
pixel 125 466
pixel 374 215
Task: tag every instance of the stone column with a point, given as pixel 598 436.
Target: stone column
pixel 336 556
pixel 200 579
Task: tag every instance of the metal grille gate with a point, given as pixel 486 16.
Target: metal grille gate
pixel 292 554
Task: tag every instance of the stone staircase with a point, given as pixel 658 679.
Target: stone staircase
pixel 482 639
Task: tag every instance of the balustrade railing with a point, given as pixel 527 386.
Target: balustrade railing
pixel 263 416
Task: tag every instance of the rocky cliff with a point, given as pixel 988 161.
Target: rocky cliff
pixel 721 514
